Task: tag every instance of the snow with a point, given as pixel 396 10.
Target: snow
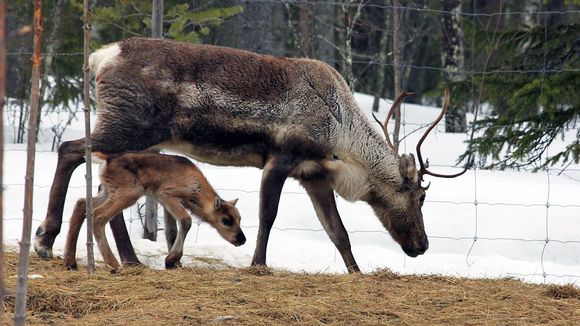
pixel 504 235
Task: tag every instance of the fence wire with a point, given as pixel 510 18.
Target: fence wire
pixel 475 237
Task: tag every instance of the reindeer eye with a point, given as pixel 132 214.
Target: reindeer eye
pixel 422 199
pixel 228 221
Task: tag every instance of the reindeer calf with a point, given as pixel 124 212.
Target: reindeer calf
pixel 174 181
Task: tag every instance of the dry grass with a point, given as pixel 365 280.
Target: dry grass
pixel 258 296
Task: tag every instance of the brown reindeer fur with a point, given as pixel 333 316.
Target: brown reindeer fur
pixel 290 117
pixel 174 181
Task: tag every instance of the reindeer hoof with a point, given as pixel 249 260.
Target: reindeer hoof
pixel 71 266
pixel 42 245
pixel 172 265
pixel 132 263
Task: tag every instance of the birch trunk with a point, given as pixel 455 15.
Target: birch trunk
pixel 397 71
pixel 453 60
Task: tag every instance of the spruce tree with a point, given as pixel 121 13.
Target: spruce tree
pixel 531 84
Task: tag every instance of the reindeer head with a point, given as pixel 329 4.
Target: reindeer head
pixel 399 207
pixel 225 218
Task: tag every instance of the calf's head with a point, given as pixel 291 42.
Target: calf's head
pixel 222 215
pixel 225 218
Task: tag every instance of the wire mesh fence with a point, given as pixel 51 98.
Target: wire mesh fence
pixel 550 206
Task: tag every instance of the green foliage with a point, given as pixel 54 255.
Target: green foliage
pixel 532 85
pixel 126 18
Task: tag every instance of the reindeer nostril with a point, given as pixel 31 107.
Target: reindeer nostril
pixel 240 238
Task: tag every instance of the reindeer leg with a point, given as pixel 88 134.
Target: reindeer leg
pixel 76 222
pixel 70 156
pixel 276 170
pixel 176 251
pixel 111 206
pixel 123 241
pixel 322 198
pixel 111 136
pixel 170 228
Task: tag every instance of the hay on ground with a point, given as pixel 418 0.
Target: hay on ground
pixel 262 296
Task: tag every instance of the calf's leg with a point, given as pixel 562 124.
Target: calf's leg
pixel 180 214
pixel 110 207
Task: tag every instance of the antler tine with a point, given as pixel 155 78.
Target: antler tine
pixel 423 167
pixel 395 105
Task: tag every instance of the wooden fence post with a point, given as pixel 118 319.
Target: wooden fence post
pixel 2 95
pixel 88 143
pixel 151 216
pixel 22 280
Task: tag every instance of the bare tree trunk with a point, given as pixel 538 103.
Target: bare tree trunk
pixel 304 21
pixel 151 215
pixel 397 70
pixel 51 45
pixel 383 49
pixel 157 17
pixel 2 96
pixel 22 280
pixel 324 31
pixel 349 23
pixel 453 60
pixel 279 29
pixel 88 143
pixel 254 27
pixel 24 110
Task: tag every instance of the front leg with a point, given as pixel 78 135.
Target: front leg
pixel 175 210
pixel 70 156
pixel 123 241
pixel 276 170
pixel 322 197
pixel 169 228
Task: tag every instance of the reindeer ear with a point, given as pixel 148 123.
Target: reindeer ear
pixel 407 168
pixel 233 202
pixel 218 202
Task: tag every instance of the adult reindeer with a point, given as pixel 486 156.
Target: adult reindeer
pixel 290 117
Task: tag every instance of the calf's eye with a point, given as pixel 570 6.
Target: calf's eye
pixel 228 221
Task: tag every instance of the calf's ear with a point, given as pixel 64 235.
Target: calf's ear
pixel 218 202
pixel 232 202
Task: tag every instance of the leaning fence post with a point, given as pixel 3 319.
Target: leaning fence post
pixel 151 216
pixel 88 143
pixel 22 280
pixel 2 94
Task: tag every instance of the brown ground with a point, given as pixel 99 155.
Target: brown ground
pixel 140 296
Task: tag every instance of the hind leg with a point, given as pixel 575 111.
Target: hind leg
pixel 111 206
pixel 122 126
pixel 76 221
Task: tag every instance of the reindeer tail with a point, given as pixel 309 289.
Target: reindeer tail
pixel 99 157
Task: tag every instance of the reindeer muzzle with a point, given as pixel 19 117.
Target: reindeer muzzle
pixel 240 239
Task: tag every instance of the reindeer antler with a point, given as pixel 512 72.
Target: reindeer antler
pixel 395 105
pixel 423 166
